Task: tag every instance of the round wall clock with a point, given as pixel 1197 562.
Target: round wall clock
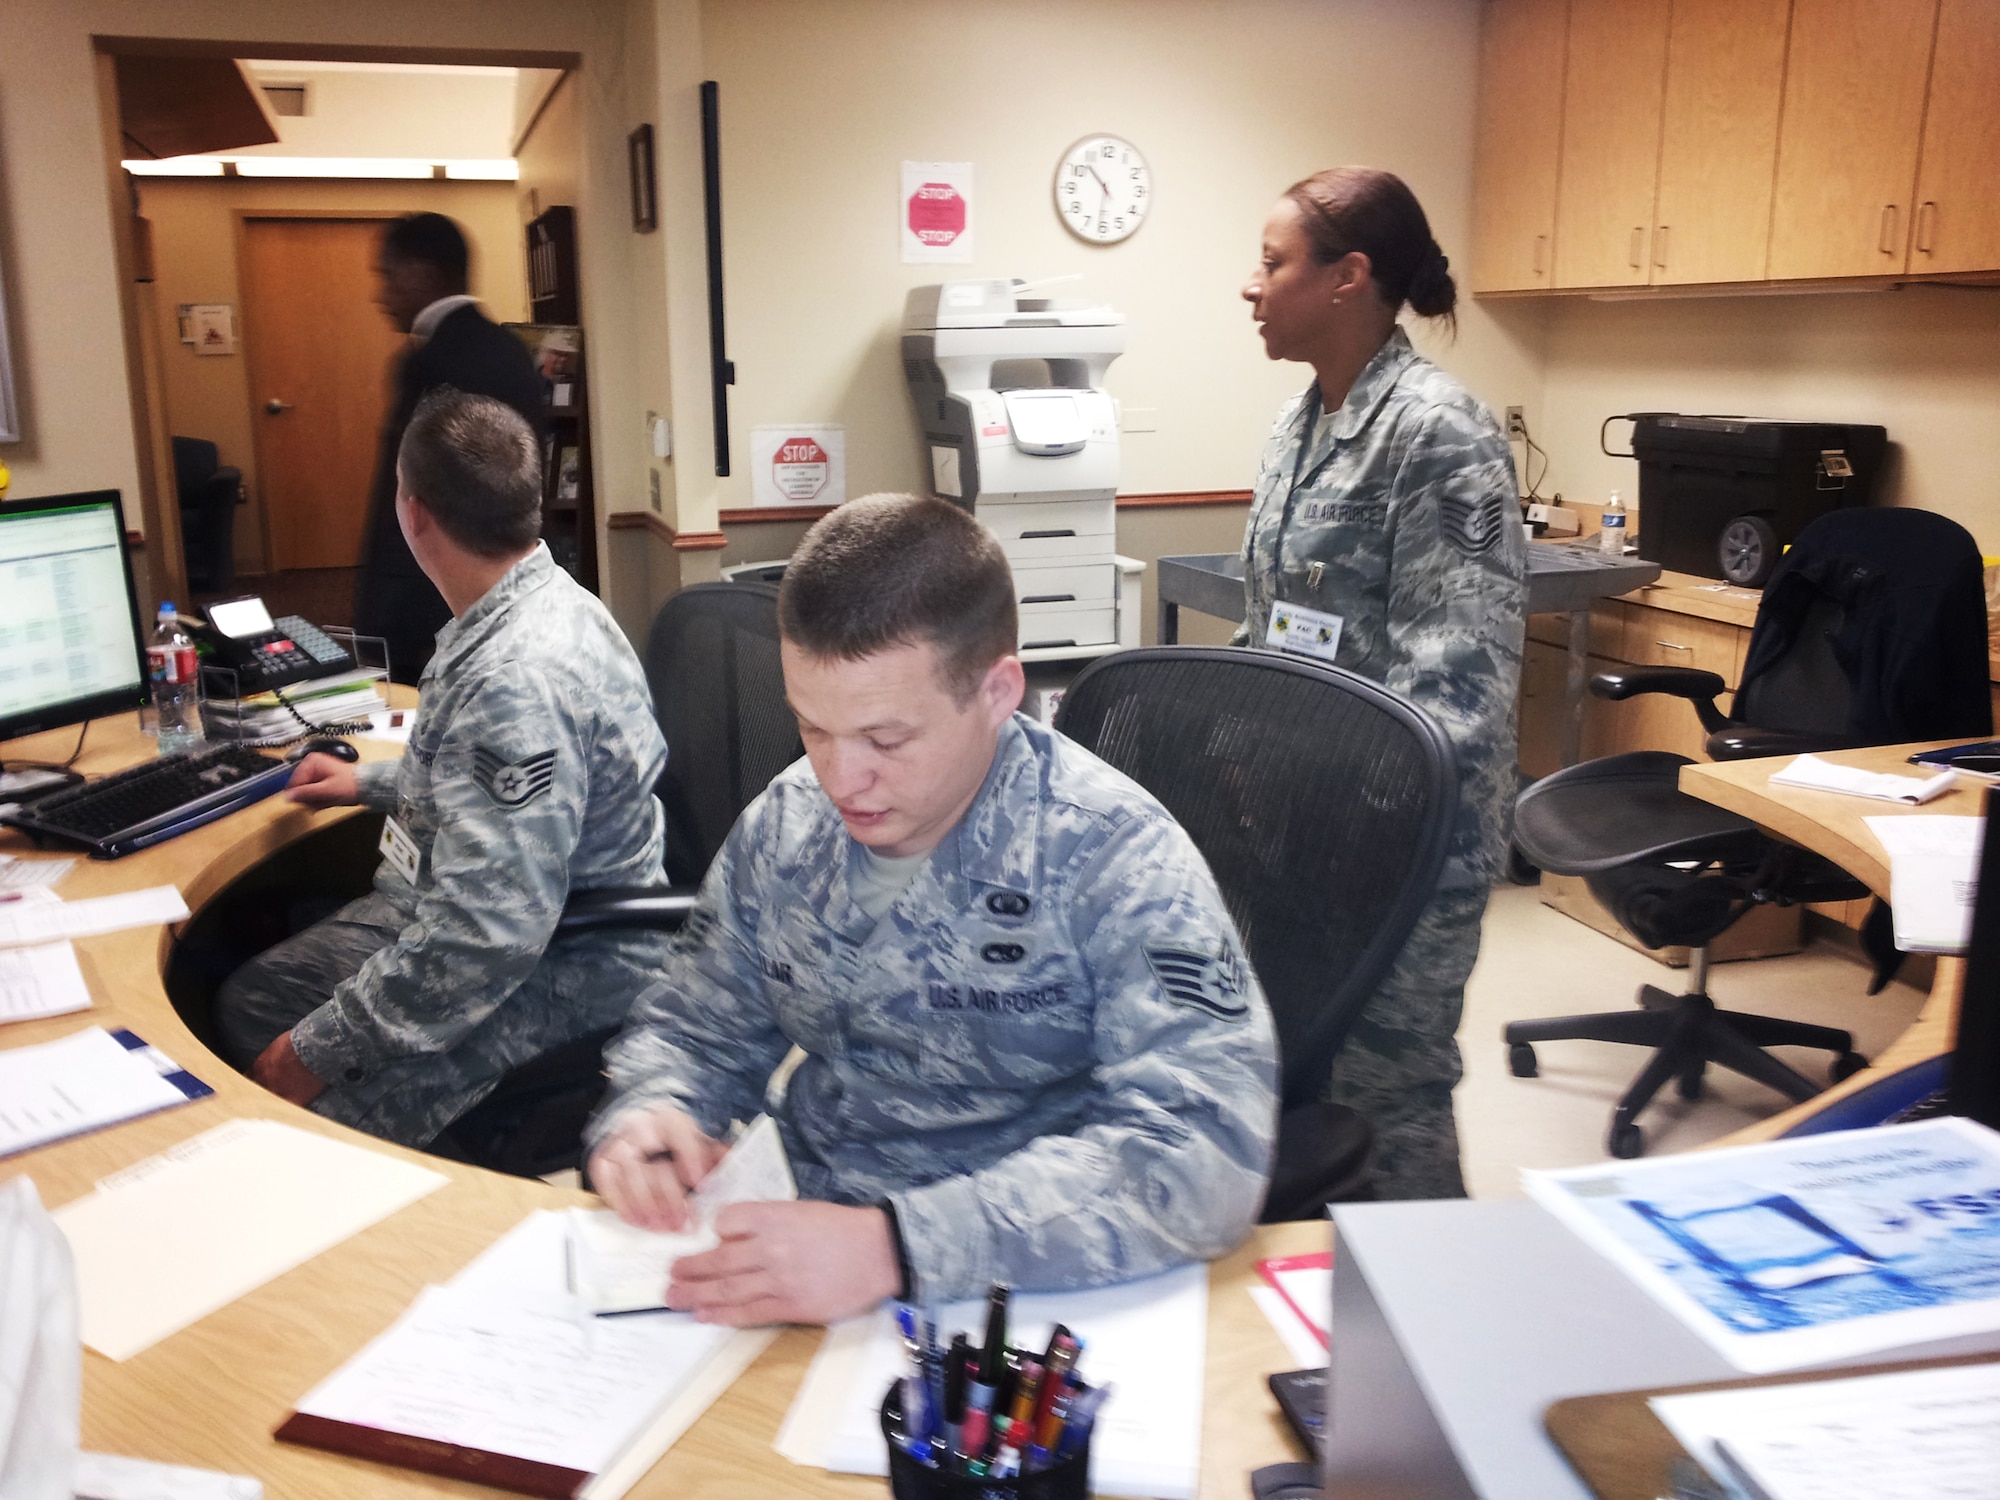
pixel 1103 189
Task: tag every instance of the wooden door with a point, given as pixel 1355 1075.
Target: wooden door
pixel 1520 144
pixel 1719 140
pixel 1855 77
pixel 1612 90
pixel 1957 205
pixel 321 354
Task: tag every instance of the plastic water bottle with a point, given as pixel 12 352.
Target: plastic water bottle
pixel 170 662
pixel 1611 529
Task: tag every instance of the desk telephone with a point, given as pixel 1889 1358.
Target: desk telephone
pixel 266 653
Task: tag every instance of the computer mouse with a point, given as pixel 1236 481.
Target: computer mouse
pixel 338 749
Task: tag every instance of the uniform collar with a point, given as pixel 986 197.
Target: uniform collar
pixel 458 638
pixel 1372 386
pixel 425 323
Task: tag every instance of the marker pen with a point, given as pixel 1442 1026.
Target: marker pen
pixel 916 1414
pixel 1082 1417
pixel 980 1389
pixel 956 1359
pixel 1055 1381
pixel 1021 1415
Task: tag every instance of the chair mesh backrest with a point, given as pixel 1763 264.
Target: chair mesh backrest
pixel 1322 802
pixel 719 694
pixel 1805 691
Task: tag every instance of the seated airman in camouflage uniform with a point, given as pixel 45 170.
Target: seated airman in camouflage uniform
pixel 1033 1051
pixel 1387 501
pixel 529 774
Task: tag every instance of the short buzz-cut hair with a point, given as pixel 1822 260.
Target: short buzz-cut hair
pixel 896 570
pixel 477 466
pixel 431 239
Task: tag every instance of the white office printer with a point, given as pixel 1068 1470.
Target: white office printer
pixel 1030 448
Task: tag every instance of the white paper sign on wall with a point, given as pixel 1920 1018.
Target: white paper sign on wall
pixel 801 465
pixel 935 212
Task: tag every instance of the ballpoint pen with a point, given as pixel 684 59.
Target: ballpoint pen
pixel 980 1389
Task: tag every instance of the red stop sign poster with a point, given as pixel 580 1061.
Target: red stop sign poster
pixel 937 213
pixel 800 469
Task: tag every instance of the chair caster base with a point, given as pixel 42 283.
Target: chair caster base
pixel 1626 1141
pixel 1846 1066
pixel 1690 1084
pixel 1521 1060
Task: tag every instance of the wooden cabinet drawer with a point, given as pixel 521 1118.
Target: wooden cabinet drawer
pixel 1662 638
pixel 1607 628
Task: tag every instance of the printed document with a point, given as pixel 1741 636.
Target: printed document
pixel 181 1234
pixel 82 1082
pixel 1803 1251
pixel 1146 1339
pixel 31 874
pixel 616 1268
pixel 43 980
pixel 1817 775
pixel 1933 879
pixel 1911 1435
pixel 24 922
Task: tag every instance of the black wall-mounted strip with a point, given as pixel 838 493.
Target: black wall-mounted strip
pixel 722 373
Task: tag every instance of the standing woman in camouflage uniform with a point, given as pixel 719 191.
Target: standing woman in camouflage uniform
pixel 1386 512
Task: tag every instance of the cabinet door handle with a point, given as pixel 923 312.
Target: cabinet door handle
pixel 1660 246
pixel 1672 647
pixel 1541 255
pixel 1926 227
pixel 1637 256
pixel 1887 244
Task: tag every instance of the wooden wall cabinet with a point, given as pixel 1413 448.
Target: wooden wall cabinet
pixel 1519 144
pixel 1733 143
pixel 1855 78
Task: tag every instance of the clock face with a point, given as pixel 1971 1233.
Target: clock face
pixel 1103 189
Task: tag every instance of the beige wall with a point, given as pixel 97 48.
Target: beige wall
pixel 195 235
pixel 823 99
pixel 1923 362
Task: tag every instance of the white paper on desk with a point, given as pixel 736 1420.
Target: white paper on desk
pixel 107 1476
pixel 1148 1338
pixel 190 1230
pixel 1933 879
pixel 1797 1252
pixel 1910 1435
pixel 1300 1342
pixel 392 725
pixel 43 980
pixel 616 1268
pixel 504 1359
pixel 49 922
pixel 80 1082
pixel 1814 774
pixel 31 874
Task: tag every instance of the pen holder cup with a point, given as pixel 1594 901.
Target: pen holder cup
pixel 909 1479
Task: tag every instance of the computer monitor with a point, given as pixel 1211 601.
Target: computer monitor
pixel 1972 1085
pixel 70 647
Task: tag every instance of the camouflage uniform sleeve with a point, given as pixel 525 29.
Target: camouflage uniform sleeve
pixel 1456 613
pixel 1170 1161
pixel 375 782
pixel 511 783
pixel 705 1038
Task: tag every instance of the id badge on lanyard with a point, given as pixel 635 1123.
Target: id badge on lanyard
pixel 400 850
pixel 1294 627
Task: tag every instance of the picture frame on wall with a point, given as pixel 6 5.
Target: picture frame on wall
pixel 645 200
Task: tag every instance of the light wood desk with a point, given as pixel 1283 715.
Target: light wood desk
pixel 211 1394
pixel 1830 824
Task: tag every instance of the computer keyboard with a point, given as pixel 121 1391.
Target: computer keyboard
pixel 150 803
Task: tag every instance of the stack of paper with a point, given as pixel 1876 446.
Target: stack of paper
pixel 1146 1339
pixel 345 697
pixel 39 917
pixel 42 980
pixel 1817 775
pixel 1933 879
pixel 83 1082
pixel 181 1234
pixel 506 1378
pixel 31 874
pixel 1803 1251
pixel 1909 1435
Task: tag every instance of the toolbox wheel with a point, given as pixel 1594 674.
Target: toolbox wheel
pixel 1747 551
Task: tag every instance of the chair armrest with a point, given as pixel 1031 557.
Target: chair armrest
pixel 1698 687
pixel 650 908
pixel 1747 742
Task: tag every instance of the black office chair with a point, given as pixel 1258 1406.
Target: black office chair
pixel 1872 631
pixel 1323 804
pixel 712 664
pixel 209 492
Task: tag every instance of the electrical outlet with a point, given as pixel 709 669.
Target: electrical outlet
pixel 1517 426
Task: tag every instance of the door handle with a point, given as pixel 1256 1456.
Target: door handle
pixel 274 406
pixel 1637 256
pixel 1541 254
pixel 1926 227
pixel 1660 245
pixel 1887 244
